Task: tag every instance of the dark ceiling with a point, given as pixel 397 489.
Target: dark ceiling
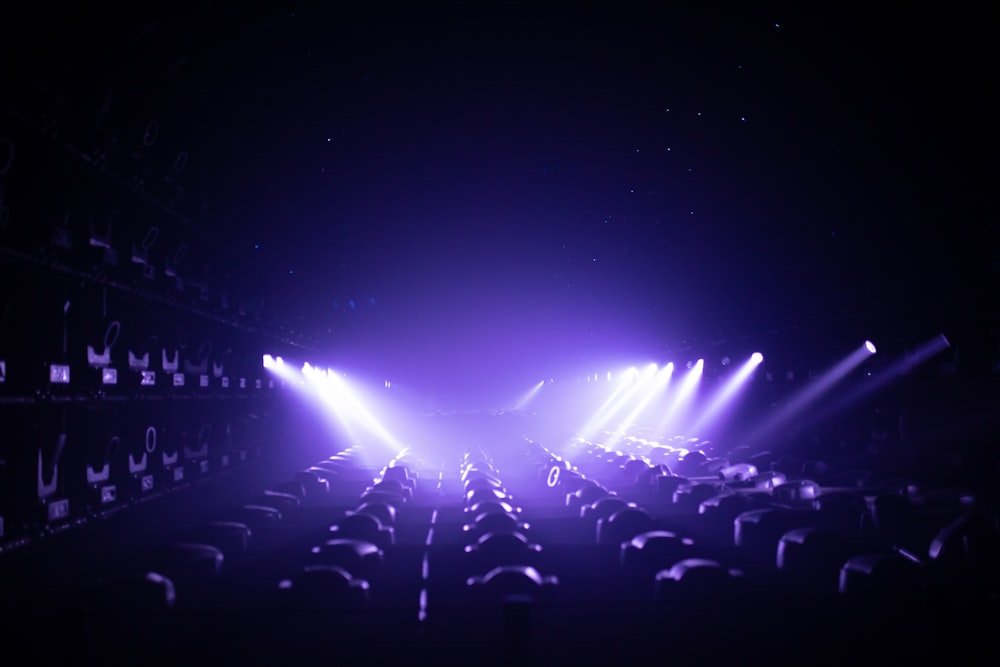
pixel 578 175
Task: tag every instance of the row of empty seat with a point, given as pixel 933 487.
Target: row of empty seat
pixel 530 552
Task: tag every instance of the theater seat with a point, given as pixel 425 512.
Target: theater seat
pixel 259 518
pixel 393 487
pixel 623 525
pixel 649 552
pixel 493 550
pixel 880 578
pixel 492 507
pixel 393 499
pixel 280 500
pixel 482 483
pixel 968 547
pixel 666 485
pixel 399 474
pixel 292 488
pixel 494 523
pixel 811 558
pixel 632 469
pixel 147 592
pixel 231 537
pixel 842 511
pixel 481 495
pixel 324 588
pixel 603 507
pixel 586 495
pixel 688 497
pixel 384 512
pixel 796 493
pixel 188 561
pixel 758 532
pixel 359 558
pixel 697 579
pixel 314 485
pixel 365 527
pixel 510 582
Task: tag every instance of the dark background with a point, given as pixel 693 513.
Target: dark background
pixel 446 190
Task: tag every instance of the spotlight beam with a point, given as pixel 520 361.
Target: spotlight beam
pixel 603 416
pixel 684 392
pixel 926 351
pixel 813 391
pixel 660 385
pixel 727 391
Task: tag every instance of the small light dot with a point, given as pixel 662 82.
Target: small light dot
pixel 668 149
pixel 743 118
pixel 777 25
pixel 329 138
pixel 690 212
pixel 699 114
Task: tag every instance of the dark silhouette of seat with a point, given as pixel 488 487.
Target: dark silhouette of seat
pixel 687 497
pixel 491 507
pixel 757 532
pixel 482 483
pixel 230 537
pixel 511 582
pixel 491 522
pixel 602 507
pixel 876 583
pixel 649 552
pixel 811 558
pixel 259 518
pixel 280 500
pixel 363 526
pixel 324 588
pixel 493 550
pixel 359 558
pixel 798 492
pixel 187 561
pixel 482 495
pixel 384 512
pixel 666 485
pixel 623 525
pixel 585 495
pixel 697 579
pixel 315 481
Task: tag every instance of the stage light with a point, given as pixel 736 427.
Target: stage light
pixel 870 346
pixel 268 361
pixel 757 358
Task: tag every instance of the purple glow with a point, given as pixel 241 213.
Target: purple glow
pixel 725 394
pixel 685 393
pixel 811 392
pixel 870 346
